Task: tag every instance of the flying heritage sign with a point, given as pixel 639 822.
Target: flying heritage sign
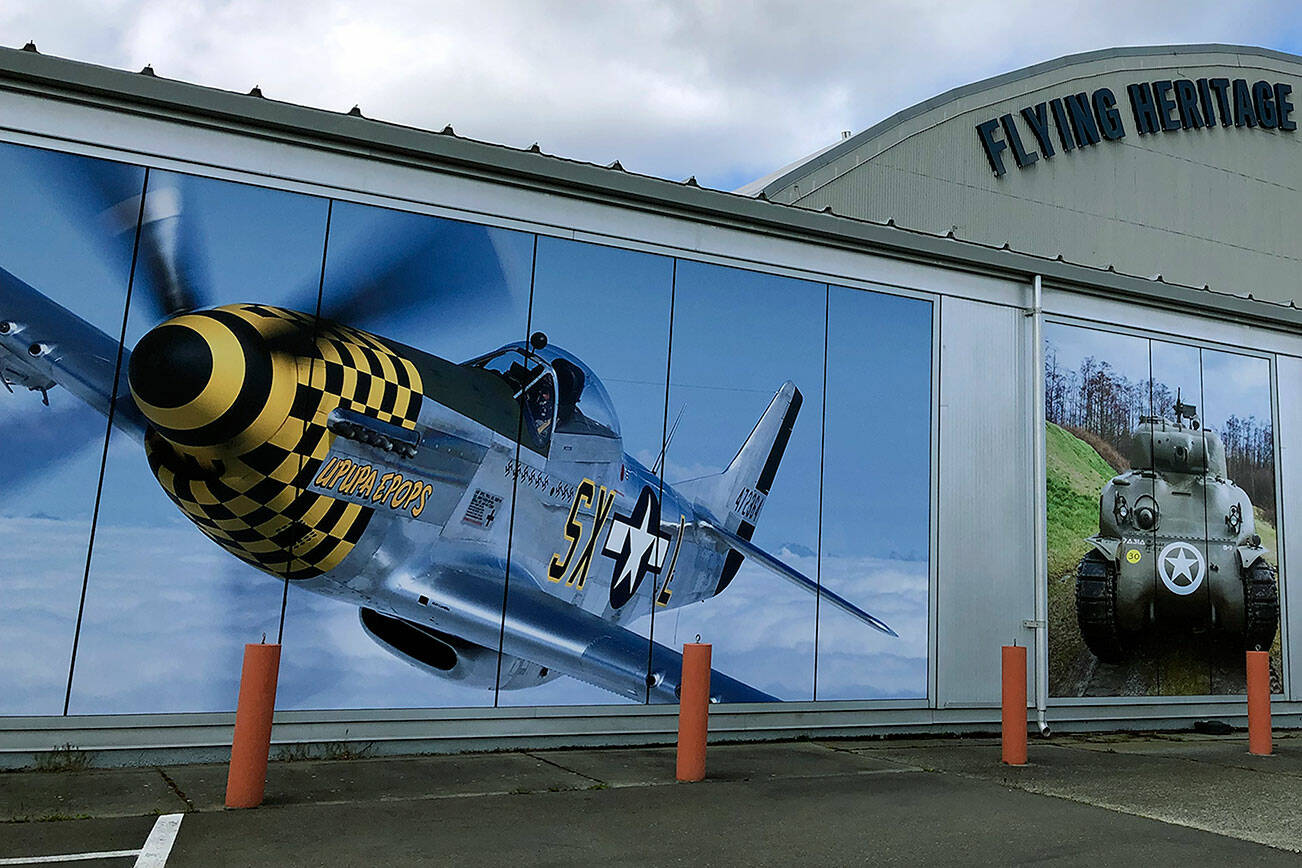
pixel 1082 120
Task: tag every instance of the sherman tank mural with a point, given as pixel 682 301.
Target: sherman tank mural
pixel 1161 527
pixel 1175 517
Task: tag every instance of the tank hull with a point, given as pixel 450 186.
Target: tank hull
pixel 1143 598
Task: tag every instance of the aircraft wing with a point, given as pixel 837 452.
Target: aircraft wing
pixel 768 561
pixel 561 636
pixel 43 344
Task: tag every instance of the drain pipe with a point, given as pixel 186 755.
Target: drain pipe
pixel 1038 482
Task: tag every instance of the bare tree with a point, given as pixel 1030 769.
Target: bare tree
pixel 1098 399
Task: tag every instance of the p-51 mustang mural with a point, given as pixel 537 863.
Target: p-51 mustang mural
pixel 402 483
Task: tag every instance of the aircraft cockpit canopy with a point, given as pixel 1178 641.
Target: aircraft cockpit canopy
pixel 560 393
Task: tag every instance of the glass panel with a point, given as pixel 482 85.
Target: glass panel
pixel 1238 425
pixel 53 241
pixel 1101 511
pixel 433 292
pixel 1179 634
pixel 1191 518
pixel 738 335
pixel 876 495
pixel 605 313
pixel 168 611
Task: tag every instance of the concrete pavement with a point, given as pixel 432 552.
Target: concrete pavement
pixel 1116 799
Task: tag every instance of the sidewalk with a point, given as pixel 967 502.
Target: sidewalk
pixel 1097 799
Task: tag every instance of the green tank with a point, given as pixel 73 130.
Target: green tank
pixel 1177 547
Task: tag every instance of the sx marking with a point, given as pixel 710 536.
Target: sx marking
pixel 586 495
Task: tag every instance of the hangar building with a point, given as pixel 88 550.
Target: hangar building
pixel 1023 357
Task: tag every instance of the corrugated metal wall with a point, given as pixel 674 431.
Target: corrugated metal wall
pixel 1202 206
pixel 986 560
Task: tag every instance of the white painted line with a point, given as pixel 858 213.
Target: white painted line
pixel 68 857
pixel 158 846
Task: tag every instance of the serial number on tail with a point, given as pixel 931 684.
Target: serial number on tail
pixel 748 504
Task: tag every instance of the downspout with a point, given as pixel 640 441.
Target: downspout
pixel 1038 483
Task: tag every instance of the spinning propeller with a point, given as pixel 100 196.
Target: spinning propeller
pixel 206 379
pixel 385 270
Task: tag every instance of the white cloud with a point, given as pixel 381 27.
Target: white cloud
pixel 726 91
pixel 763 629
pixel 156 638
pixel 40 583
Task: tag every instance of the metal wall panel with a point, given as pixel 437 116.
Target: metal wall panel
pixel 986 556
pixel 1288 374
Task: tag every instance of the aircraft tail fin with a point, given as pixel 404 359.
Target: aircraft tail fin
pixel 736 496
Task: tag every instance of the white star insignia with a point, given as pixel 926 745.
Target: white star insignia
pixel 637 545
pixel 1181 563
pixel 1181 568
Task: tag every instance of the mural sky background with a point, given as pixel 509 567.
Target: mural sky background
pixel 167 612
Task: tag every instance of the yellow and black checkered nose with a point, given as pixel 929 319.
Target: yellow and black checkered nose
pixel 210 385
pixel 239 401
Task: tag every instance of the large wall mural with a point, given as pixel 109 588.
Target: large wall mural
pixel 448 465
pixel 1163 561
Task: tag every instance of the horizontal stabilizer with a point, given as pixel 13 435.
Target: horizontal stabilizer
pixel 749 549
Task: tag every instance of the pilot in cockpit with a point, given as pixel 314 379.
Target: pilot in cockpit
pixel 540 401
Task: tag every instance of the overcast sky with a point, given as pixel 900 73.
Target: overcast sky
pixel 727 91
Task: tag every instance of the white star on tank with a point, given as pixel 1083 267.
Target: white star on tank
pixel 1180 560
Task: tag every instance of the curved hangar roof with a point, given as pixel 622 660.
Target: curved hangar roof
pixel 1183 161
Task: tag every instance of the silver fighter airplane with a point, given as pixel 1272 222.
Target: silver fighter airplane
pixel 460 507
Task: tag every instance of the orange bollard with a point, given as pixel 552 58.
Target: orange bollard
pixel 1014 705
pixel 1259 703
pixel 693 711
pixel 247 779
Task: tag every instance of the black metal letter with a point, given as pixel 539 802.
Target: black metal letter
pixel 1015 139
pixel 1165 105
pixel 1141 103
pixel 1205 95
pixel 1244 113
pixel 1105 109
pixel 1063 125
pixel 1186 98
pixel 1284 107
pixel 1263 100
pixel 992 146
pixel 1037 118
pixel 1082 119
pixel 1221 86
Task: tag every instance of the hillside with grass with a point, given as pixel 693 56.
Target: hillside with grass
pixel 1076 474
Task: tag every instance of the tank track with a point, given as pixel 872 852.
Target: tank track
pixel 1096 608
pixel 1261 606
